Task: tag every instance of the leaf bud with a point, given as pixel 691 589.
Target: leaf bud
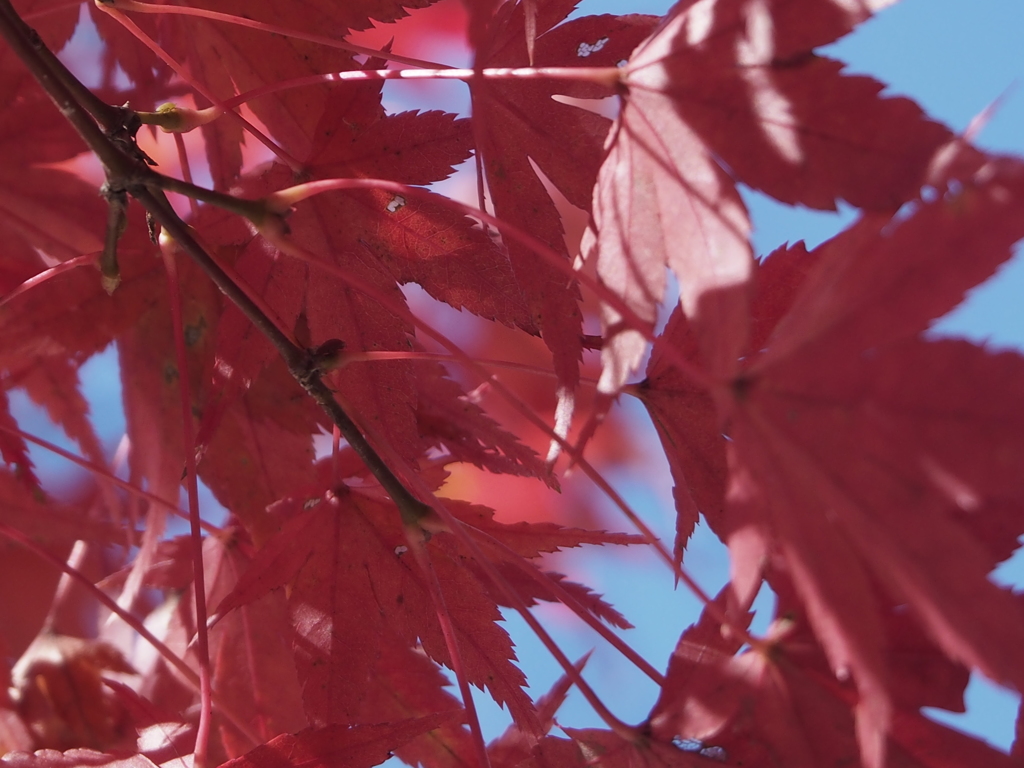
pixel 329 356
pixel 171 118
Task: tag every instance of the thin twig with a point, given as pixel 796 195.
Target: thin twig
pixel 127 171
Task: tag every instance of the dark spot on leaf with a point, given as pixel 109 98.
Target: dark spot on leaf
pixel 193 333
pixel 741 387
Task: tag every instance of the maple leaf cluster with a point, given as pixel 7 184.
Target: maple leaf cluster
pixel 869 475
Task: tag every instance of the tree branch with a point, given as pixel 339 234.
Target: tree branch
pixel 128 172
pixel 302 363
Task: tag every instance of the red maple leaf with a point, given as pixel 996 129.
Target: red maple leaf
pixel 867 473
pixel 228 59
pixel 40 207
pixel 849 439
pixel 725 94
pixel 779 704
pixel 358 746
pixel 467 433
pixel 253 636
pixel 380 239
pixel 355 547
pixel 520 126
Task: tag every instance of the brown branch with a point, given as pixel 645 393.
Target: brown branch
pixel 128 172
pixel 302 363
pixel 255 211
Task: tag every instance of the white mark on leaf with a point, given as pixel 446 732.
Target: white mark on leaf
pixel 585 49
pixel 401 550
pixel 699 20
pixel 396 202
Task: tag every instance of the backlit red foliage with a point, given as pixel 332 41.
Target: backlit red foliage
pixel 870 476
